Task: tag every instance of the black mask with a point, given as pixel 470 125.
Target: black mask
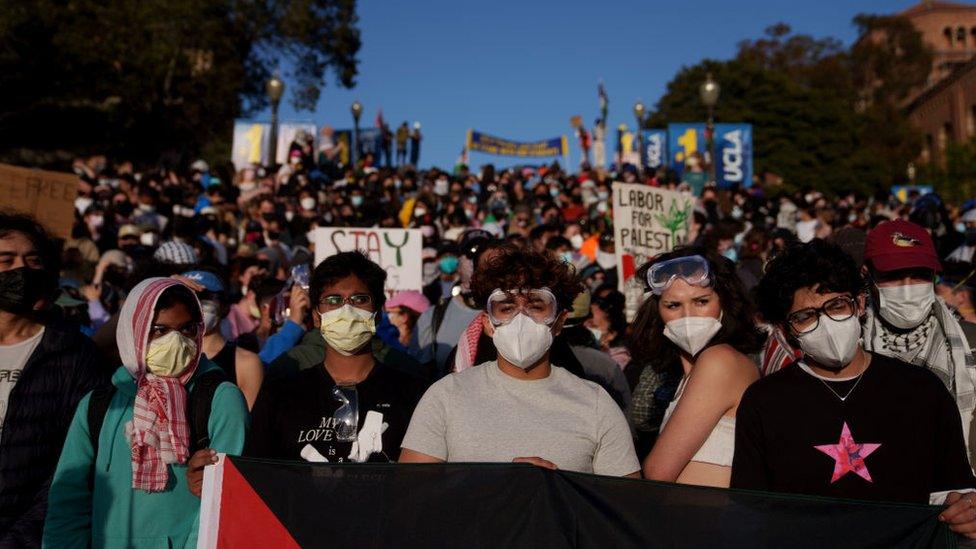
pixel 21 288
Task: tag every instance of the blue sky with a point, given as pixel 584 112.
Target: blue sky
pixel 520 70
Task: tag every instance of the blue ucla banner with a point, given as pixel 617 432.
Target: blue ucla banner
pixel 655 153
pixel 489 144
pixel 684 141
pixel 733 152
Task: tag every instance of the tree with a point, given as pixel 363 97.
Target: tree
pixel 890 61
pixel 144 78
pixel 801 95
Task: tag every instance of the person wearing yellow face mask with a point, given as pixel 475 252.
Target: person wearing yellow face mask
pixel 351 407
pixel 127 449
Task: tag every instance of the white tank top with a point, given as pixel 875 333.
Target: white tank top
pixel 720 444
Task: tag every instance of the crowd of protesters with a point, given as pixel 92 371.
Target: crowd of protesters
pixel 798 343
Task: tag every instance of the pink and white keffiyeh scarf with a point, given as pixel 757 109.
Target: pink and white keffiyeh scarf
pixel 158 434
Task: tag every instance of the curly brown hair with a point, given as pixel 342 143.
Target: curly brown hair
pixel 511 267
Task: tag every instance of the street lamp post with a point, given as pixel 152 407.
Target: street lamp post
pixel 639 114
pixel 709 92
pixel 357 111
pixel 275 88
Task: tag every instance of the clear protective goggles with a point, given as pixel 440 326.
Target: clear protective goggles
pixel 538 304
pixel 346 416
pixel 692 269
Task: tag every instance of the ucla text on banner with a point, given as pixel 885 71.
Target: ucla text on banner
pixel 46 195
pixel 655 149
pixel 733 155
pixel 647 221
pixel 684 141
pixel 398 251
pixel 264 503
pixel 489 144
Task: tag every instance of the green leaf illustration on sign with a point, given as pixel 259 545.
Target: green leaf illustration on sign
pixel 676 218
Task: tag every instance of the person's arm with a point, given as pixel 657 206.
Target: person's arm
pixel 291 332
pixel 615 454
pixel 281 342
pixel 69 502
pixel 426 437
pixel 714 387
pixel 422 339
pixel 250 375
pixel 229 420
pixel 749 468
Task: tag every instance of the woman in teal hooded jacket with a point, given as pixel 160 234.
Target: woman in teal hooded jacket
pixel 133 491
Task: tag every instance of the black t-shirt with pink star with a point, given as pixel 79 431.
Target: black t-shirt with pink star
pixel 896 437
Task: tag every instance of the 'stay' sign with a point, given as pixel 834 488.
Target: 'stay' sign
pixel 397 251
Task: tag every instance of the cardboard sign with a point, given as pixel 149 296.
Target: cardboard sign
pixel 398 251
pixel 647 222
pixel 48 196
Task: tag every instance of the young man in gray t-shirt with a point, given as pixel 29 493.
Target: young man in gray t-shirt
pixel 522 408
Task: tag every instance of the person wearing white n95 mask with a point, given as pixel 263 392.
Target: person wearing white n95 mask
pixel 840 421
pixel 908 322
pixel 699 317
pixel 521 407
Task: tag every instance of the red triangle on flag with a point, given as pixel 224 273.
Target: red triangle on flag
pixel 248 522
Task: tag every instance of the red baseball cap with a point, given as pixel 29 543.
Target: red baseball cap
pixel 899 244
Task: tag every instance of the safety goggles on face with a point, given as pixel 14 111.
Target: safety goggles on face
pixel 539 305
pixel 692 269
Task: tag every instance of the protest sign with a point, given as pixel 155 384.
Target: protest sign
pixel 398 251
pixel 647 221
pixel 287 133
pixel 489 144
pixel 685 141
pixel 733 155
pixel 48 196
pixel 655 149
pixel 906 193
pixel 250 145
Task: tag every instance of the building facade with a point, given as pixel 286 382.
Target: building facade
pixel 945 110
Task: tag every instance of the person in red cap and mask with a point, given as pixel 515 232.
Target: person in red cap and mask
pixel 907 321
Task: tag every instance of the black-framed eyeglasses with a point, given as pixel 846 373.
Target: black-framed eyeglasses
pixel 334 301
pixel 807 320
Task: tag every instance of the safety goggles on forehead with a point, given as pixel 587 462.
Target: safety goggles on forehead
pixel 539 305
pixel 692 269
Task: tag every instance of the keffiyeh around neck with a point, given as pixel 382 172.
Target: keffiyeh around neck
pixel 158 434
pixel 944 351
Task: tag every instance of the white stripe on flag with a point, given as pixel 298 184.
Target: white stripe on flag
pixel 213 480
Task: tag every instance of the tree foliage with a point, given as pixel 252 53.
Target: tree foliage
pixel 803 97
pixel 143 78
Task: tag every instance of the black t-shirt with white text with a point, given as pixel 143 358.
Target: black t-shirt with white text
pixel 897 437
pixel 291 413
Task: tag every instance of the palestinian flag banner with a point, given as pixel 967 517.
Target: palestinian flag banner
pixel 284 504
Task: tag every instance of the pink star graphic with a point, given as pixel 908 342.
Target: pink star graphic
pixel 848 455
